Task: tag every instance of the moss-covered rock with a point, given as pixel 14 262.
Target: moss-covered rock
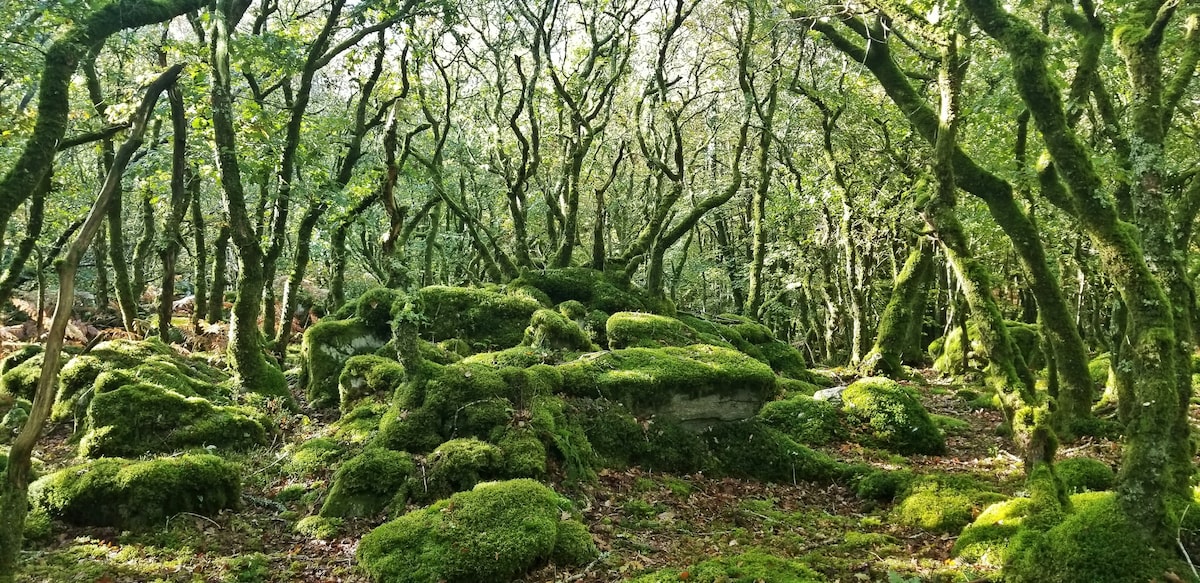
pixel 458 465
pixel 483 318
pixel 142 418
pixel 14 411
pixel 593 288
pixel 129 494
pixel 891 417
pixel 20 370
pixel 522 453
pixel 805 420
pixel 882 485
pixel 985 541
pixel 326 347
pixel 1082 474
pixel 313 456
pixel 612 430
pixel 368 375
pixel 1099 370
pixel 750 449
pixel 517 356
pixel 495 532
pixel 943 503
pixel 368 483
pixel 698 385
pixel 550 330
pixel 1094 544
pixel 950 357
pixel 360 424
pixel 749 567
pixel 637 329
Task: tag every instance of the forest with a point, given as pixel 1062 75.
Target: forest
pixel 599 290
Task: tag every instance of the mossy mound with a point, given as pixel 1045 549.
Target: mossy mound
pixel 637 329
pixel 313 456
pixel 366 376
pixel 20 370
pixel 1099 370
pixel 943 503
pixel 698 385
pixel 749 567
pixel 985 541
pixel 368 483
pixel 141 418
pixel 882 485
pixel 14 411
pixel 326 347
pixel 1081 474
pixel 749 449
pixel 121 362
pixel 458 465
pixel 129 494
pixel 495 532
pixel 1096 543
pixel 479 317
pixel 550 330
pixel 805 420
pixel 517 356
pixel 891 417
pixel 594 289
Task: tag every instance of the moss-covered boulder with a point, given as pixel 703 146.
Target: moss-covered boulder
pixel 313 456
pixel 20 370
pixel 698 385
pixel 458 465
pixel 129 494
pixel 326 347
pixel 495 532
pixel 891 417
pixel 1082 474
pixel 14 411
pixel 550 330
pixel 805 419
pixel 985 541
pixel 594 289
pixel 368 483
pixel 749 567
pixel 637 329
pixel 749 449
pixel 368 375
pixel 943 503
pixel 141 418
pixel 480 317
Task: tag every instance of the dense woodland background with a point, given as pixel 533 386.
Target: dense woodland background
pixel 862 178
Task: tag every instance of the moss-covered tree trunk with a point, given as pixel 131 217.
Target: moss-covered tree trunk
pixel 199 256
pixel 904 308
pixel 219 278
pixel 14 502
pixel 1138 255
pixel 172 238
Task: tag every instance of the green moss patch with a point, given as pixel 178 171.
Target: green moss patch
pixel 326 347
pixel 943 503
pixel 494 532
pixel 637 329
pixel 129 494
pixel 1081 474
pixel 141 418
pixel 479 317
pixel 368 483
pixel 749 567
pixel 368 375
pixel 550 330
pixel 313 456
pixel 750 449
pixel 592 288
pixel 805 420
pixel 891 417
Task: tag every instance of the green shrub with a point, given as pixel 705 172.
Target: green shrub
pixel 805 420
pixel 129 494
pixel 891 417
pixel 368 483
pixel 494 532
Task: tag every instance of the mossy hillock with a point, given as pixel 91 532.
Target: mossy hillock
pixel 368 483
pixel 943 503
pixel 368 376
pixel 483 318
pixel 950 356
pixel 592 288
pixel 138 494
pixel 888 416
pixel 805 420
pixel 326 347
pixel 494 532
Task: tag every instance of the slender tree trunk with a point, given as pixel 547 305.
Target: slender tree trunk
pixel 904 308
pixel 145 244
pixel 172 238
pixel 199 256
pixel 220 276
pixel 296 280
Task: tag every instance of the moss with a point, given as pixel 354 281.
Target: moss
pixel 573 310
pixel 38 525
pixel 479 317
pixel 749 567
pixel 592 288
pixel 805 420
pixel 1081 474
pixel 457 346
pixel 321 527
pixel 791 387
pixel 943 503
pixel 518 356
pixel 368 483
pixel 653 380
pixel 1096 543
pixel 458 465
pixel 882 485
pixel 129 494
pixel 523 455
pixel 674 448
pixel 20 373
pixel 612 430
pixel 750 449
pixel 526 383
pixel 313 456
pixel 891 417
pixel 636 329
pixel 495 532
pixel 360 424
pixel 141 418
pixel 566 437
pixel 414 430
pixel 549 330
pixel 368 375
pixel 15 413
pixel 326 347
pixel 985 541
pixel 784 359
pixel 573 544
pixel 950 425
pixel 374 309
pixel 1098 369
pixel 435 353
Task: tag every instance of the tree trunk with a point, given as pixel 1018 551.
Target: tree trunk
pixel 172 239
pixel 905 307
pixel 199 257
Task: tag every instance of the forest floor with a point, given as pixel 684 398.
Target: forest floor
pixel 641 519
